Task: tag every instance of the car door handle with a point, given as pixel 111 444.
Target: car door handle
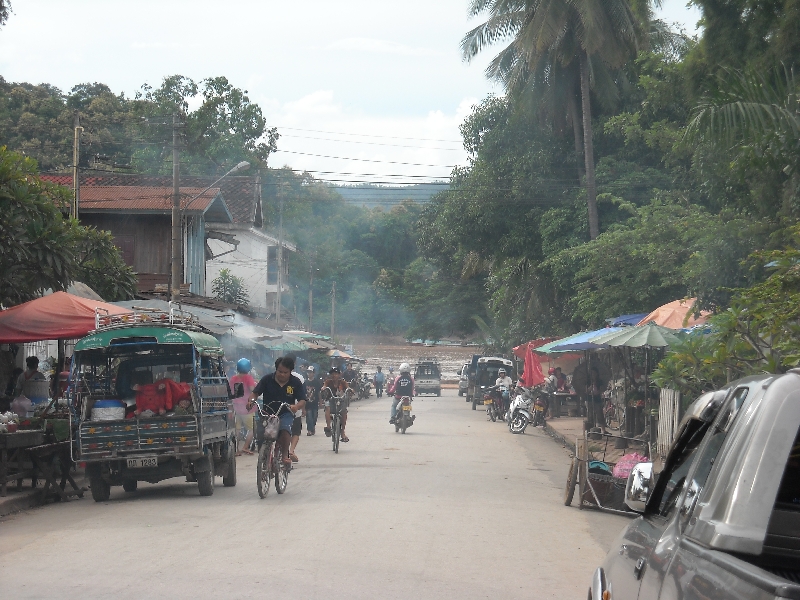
pixel 637 570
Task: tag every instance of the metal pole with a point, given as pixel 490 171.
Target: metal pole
pixel 333 313
pixel 175 277
pixel 76 158
pixel 280 260
pixel 311 300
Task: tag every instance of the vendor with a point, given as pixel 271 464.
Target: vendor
pixel 32 373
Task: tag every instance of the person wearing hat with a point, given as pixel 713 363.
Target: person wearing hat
pixel 336 385
pixel 313 386
pixel 243 417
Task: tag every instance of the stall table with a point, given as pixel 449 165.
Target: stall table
pixel 44 458
pixel 14 458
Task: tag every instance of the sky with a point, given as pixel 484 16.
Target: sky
pixel 360 91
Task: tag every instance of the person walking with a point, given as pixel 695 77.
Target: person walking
pixel 278 388
pixel 313 386
pixel 378 380
pixel 243 417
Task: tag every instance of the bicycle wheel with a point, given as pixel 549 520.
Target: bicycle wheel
pixel 264 468
pixel 337 433
pixel 281 471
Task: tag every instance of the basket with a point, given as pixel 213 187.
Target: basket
pixel 267 428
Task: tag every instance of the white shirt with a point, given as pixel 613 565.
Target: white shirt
pixel 506 381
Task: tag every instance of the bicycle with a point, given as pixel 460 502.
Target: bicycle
pixel 270 458
pixel 337 403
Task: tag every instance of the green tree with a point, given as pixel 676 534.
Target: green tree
pixel 230 288
pixel 551 36
pixel 42 249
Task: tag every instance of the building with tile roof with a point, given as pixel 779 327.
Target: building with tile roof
pixel 222 229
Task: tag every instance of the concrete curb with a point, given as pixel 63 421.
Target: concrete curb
pixel 559 438
pixel 18 502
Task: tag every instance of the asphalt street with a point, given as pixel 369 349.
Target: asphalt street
pixel 456 508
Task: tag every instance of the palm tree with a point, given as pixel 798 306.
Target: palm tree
pixel 559 37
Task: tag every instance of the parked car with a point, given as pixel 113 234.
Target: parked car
pixel 463 379
pixel 428 376
pixel 722 519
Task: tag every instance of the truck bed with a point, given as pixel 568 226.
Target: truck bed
pixel 154 435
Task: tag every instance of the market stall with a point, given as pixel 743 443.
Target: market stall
pixel 36 446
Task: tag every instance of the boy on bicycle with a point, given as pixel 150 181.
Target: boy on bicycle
pixel 278 388
pixel 337 386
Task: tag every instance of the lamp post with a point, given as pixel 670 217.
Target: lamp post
pixel 177 278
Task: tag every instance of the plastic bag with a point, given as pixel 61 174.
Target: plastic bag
pixel 268 428
pixel 22 406
pixel 625 464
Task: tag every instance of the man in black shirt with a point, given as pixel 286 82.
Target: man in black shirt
pixel 278 388
pixel 313 386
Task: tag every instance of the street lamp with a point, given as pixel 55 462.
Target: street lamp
pixel 176 231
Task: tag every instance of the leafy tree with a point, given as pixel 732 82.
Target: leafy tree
pixel 43 249
pixel 230 288
pixel 5 10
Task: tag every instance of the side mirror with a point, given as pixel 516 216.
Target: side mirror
pixel 238 390
pixel 639 486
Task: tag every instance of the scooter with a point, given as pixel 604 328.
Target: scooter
pixel 519 413
pixel 404 418
pixel 364 386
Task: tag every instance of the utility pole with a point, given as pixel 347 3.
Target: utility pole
pixel 76 158
pixel 176 276
pixel 280 258
pixel 333 313
pixel 311 299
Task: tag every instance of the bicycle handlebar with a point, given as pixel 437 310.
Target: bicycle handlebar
pixel 276 413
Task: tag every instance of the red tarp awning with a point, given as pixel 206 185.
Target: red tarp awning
pixel 522 349
pixel 55 317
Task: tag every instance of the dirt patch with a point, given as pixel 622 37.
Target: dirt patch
pixel 391 351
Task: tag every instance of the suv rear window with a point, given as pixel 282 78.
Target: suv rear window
pixel 426 371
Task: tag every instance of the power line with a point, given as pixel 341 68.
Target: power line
pixel 304 137
pixel 386 137
pixel 387 162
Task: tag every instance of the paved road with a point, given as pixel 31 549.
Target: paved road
pixel 456 508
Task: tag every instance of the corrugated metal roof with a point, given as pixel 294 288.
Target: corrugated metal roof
pixel 241 193
pixel 145 199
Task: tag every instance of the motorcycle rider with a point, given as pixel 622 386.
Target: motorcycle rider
pixel 378 380
pixel 349 374
pixel 403 385
pixel 503 379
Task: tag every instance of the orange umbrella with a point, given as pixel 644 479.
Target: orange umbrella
pixel 678 314
pixel 58 316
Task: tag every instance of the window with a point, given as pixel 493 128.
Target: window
pixel 272 265
pixel 716 437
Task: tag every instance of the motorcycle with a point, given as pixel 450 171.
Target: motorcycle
pixel 519 413
pixel 539 410
pixel 364 387
pixel 404 418
pixel 493 400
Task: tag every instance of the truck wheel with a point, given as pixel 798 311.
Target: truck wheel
pixel 205 480
pixel 230 479
pixel 101 489
pixel 439 392
pixel 460 393
pixel 129 485
pixel 474 403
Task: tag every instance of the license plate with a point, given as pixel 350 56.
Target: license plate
pixel 487 401
pixel 141 463
pixel 406 408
